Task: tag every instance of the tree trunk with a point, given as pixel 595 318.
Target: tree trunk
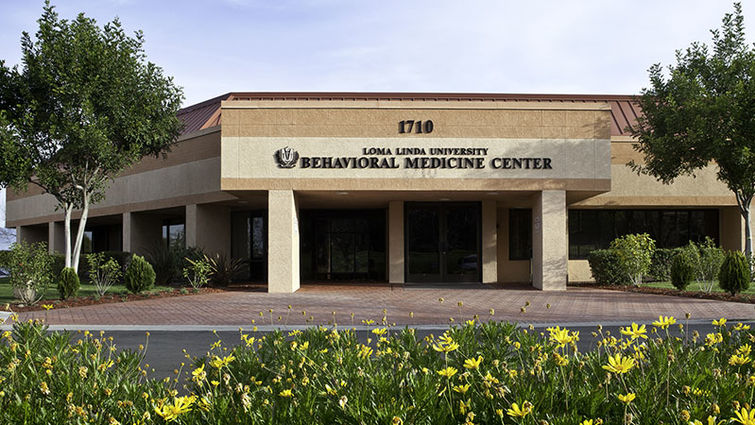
pixel 67 231
pixel 80 233
pixel 744 208
pixel 748 232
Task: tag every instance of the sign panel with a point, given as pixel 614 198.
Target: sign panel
pixel 270 157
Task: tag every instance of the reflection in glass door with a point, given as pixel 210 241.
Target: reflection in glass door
pixel 249 242
pixel 442 242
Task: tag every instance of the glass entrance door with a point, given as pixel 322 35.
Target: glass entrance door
pixel 442 242
pixel 249 243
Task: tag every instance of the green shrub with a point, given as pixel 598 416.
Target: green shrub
pixel 224 269
pixel 635 253
pixel 68 283
pixel 197 273
pixel 660 265
pixel 30 268
pixel 166 262
pixel 139 276
pixel 121 257
pixel 607 267
pixel 709 260
pixel 104 271
pixel 169 262
pixel 734 276
pixel 683 268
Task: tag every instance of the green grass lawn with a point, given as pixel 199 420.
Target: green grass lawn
pixel 693 287
pixel 86 290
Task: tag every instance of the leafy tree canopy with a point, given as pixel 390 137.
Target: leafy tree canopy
pixel 84 105
pixel 701 111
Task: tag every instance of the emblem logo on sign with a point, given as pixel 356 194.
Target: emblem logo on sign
pixel 286 157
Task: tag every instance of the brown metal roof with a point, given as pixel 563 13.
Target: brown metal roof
pixel 624 110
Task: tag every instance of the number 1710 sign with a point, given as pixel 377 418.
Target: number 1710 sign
pixel 418 127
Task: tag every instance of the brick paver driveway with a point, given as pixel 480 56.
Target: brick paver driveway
pixel 410 305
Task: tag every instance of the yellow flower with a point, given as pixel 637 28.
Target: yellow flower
pixel 397 421
pixel 586 422
pixel 447 372
pixel 198 375
pixel 446 345
pixel 461 388
pixel 286 393
pixel 47 306
pixel 744 350
pixel 745 417
pixel 737 360
pixel 628 398
pixel 218 363
pixel 619 364
pixel 44 389
pixel 516 412
pixel 380 331
pixel 712 339
pixel 473 363
pixel 741 327
pixel 562 336
pixel 561 360
pixel 664 322
pixel 719 322
pixel 634 331
pixel 171 412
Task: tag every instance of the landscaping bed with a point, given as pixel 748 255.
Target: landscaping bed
pixel 477 373
pixel 718 296
pixel 162 292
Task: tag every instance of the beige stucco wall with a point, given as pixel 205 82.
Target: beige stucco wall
pixel 368 119
pixel 209 227
pixel 396 242
pixel 248 163
pixel 283 242
pixel 579 271
pixel 549 240
pixel 197 181
pixel 489 243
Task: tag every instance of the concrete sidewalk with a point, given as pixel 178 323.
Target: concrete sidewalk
pixel 403 306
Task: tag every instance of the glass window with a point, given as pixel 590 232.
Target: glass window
pixel 595 229
pixel 174 234
pixel 520 234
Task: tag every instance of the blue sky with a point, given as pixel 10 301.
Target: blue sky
pixel 212 47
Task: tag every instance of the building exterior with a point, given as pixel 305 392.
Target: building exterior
pixel 398 188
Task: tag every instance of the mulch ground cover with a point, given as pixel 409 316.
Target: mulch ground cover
pixel 718 296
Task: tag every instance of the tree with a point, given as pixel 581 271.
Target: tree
pixel 84 106
pixel 703 112
pixel 7 236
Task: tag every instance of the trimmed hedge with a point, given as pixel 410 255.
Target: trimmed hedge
pixel 607 267
pixel 660 266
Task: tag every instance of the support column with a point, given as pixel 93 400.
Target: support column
pixel 283 242
pixel 549 249
pixel 489 242
pixel 56 237
pixel 396 242
pixel 141 232
pixel 32 234
pixel 208 227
